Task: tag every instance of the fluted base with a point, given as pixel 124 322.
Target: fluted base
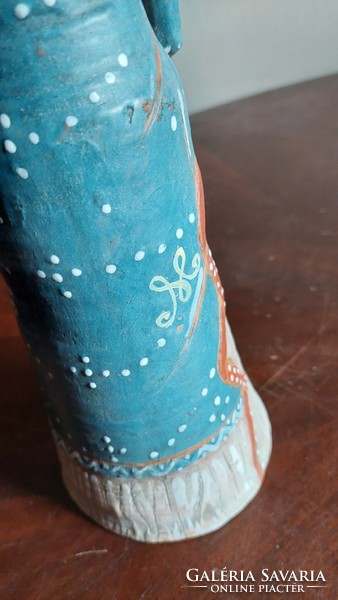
pixel 185 504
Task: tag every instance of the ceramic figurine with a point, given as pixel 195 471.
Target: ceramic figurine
pixel 159 431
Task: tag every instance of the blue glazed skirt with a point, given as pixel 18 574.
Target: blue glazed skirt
pixel 103 240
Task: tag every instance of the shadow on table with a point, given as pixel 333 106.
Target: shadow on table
pixel 29 462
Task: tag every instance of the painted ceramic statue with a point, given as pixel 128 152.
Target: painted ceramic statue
pixel 160 434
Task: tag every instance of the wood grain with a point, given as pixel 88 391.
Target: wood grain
pixel 271 180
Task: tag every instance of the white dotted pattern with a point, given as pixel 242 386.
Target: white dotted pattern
pixel 21 11
pixel 5 121
pixel 110 77
pixel 123 60
pixel 110 269
pixel 139 255
pixel 10 146
pixel 34 138
pixel 23 173
pixel 173 123
pixel 94 97
pixel 71 121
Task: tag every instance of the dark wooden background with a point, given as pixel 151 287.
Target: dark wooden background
pixel 270 167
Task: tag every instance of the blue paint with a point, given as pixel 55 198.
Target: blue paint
pixel 103 173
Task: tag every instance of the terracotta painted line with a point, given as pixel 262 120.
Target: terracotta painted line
pixel 151 118
pixel 151 462
pixel 249 421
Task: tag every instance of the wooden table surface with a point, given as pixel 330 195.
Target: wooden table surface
pixel 270 167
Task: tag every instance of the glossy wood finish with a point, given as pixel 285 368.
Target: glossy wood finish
pixel 270 167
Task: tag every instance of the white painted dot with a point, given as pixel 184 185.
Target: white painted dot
pixel 1 221
pixel 173 123
pixel 92 385
pixel 88 372
pixel 110 449
pixel 49 3
pixel 139 255
pixel 217 401
pixel 110 269
pixel 10 146
pixel 123 60
pixel 222 417
pixel 67 294
pixel 34 138
pixel 222 292
pixel 228 421
pixel 123 450
pixel 125 372
pixel 232 377
pixel 76 272
pixel 161 342
pixel 211 266
pixel 71 121
pixel 144 362
pixel 171 442
pixel 110 77
pixel 21 11
pixel 106 209
pixel 54 259
pixel 57 277
pixel 72 369
pixel 94 97
pixel 179 233
pixel 212 418
pixel 23 173
pixel 162 248
pixel 106 373
pixel 153 454
pixel 115 459
pixel 191 218
pixel 41 274
pixel 5 121
pixel 85 360
pixel 212 373
pixel 181 428
pixel 204 391
pixel 167 49
pixel 227 400
pixel 106 439
pixel 229 368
